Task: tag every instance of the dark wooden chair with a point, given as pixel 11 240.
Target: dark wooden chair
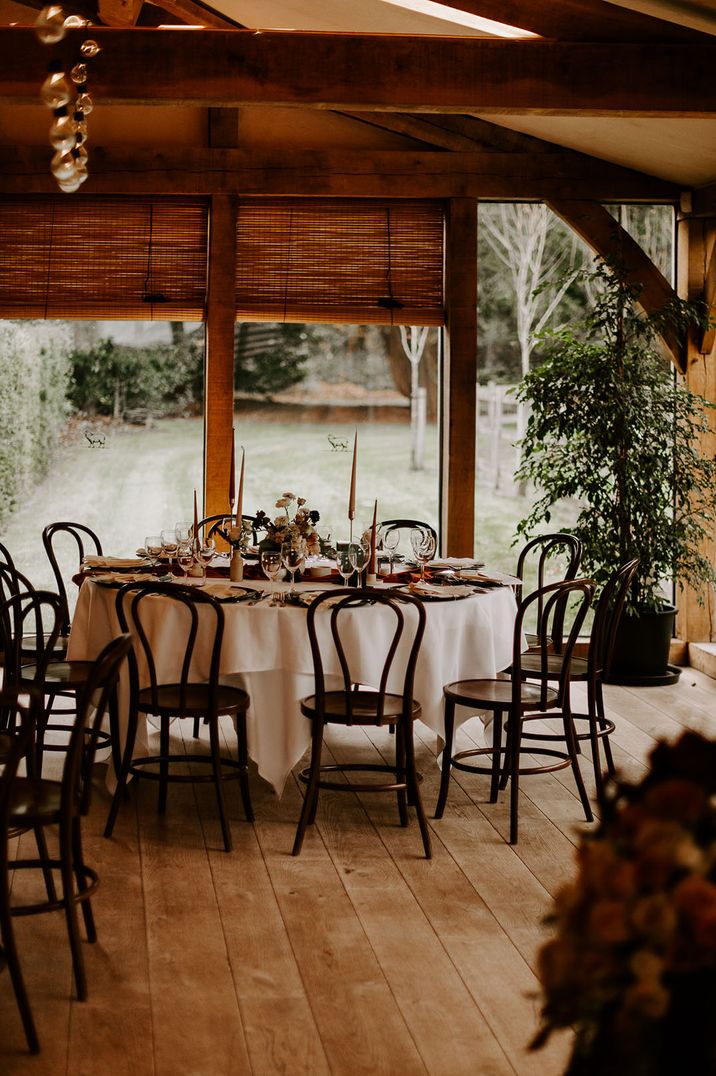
pixel 591 670
pixel 182 696
pixel 519 701
pixel 57 677
pixel 542 557
pixel 14 747
pixel 386 525
pixel 85 540
pixel 211 525
pixel 355 705
pixel 38 802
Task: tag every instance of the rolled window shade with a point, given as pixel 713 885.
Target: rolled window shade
pixel 324 260
pixel 86 258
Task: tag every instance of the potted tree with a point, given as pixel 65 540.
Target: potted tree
pixel 611 427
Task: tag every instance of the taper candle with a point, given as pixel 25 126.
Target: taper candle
pixel 373 541
pixel 239 505
pixel 352 495
pixel 232 474
pixel 196 521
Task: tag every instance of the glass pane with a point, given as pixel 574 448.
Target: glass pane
pixel 302 392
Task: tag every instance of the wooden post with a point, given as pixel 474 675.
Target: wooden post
pixel 219 367
pixel 696 243
pixel 459 397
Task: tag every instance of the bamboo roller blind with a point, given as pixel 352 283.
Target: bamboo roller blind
pixel 84 258
pixel 146 258
pixel 335 261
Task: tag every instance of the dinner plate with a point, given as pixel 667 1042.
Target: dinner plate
pixel 440 593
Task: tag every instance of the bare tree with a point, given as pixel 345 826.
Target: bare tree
pixel 542 259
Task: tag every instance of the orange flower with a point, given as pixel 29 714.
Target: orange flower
pixel 654 917
pixel 677 799
pixel 695 900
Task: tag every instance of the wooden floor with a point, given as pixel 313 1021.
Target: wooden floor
pixel 357 957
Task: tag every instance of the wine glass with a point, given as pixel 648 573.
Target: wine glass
pixel 293 557
pixel 272 567
pixel 344 564
pixel 169 545
pixel 391 541
pixel 205 553
pixel 153 549
pixel 359 553
pixel 423 543
pixel 185 557
pixel 183 531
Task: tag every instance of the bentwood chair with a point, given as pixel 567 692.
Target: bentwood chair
pixel 37 802
pixel 211 525
pixel 591 670
pixel 85 541
pixel 546 559
pixel 352 704
pixel 520 701
pixel 37 663
pixel 400 525
pixel 14 747
pixel 197 624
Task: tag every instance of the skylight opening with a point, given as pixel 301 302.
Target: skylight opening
pixel 461 18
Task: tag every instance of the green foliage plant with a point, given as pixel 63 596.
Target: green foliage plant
pixel 611 427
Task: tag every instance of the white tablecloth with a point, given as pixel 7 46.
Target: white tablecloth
pixel 269 647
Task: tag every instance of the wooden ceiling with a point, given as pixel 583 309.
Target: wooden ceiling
pixel 627 84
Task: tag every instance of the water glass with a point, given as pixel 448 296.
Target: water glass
pixel 390 542
pixel 205 553
pixel 359 553
pixel 153 549
pixel 272 567
pixel 293 557
pixel 423 543
pixel 344 564
pixel 183 531
pixel 185 557
pixel 169 545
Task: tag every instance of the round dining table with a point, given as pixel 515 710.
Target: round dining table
pixel 266 650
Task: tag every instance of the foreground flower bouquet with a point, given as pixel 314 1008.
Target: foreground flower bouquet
pixel 287 527
pixel 632 965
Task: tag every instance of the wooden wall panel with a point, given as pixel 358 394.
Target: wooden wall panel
pixel 460 379
pixel 696 620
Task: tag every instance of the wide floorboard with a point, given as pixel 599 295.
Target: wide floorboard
pixel 357 957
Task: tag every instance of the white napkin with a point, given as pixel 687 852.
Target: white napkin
pixel 456 562
pixel 224 591
pixel 123 577
pixel 94 561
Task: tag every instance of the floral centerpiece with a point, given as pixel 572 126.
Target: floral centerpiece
pixel 632 967
pixel 288 527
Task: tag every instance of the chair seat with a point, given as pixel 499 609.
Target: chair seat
pixel 34 799
pixel 497 694
pixel 61 675
pixel 364 708
pixel 29 646
pixel 532 665
pixel 197 698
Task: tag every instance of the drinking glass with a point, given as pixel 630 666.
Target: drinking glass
pixel 183 531
pixel 391 541
pixel 359 553
pixel 185 557
pixel 272 567
pixel 344 564
pixel 205 553
pixel 293 557
pixel 169 545
pixel 423 543
pixel 153 549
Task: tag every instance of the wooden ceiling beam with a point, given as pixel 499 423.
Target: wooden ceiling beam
pixel 340 173
pixel 355 72
pixel 598 228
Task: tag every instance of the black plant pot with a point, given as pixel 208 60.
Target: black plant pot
pixel 641 651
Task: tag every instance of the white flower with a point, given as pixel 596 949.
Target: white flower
pixel 283 502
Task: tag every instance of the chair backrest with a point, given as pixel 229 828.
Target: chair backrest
pixel 136 609
pixel 610 607
pixel 92 703
pixel 211 525
pixel 85 540
pixel 547 554
pixel 30 622
pixel 403 527
pixel 551 601
pixel 325 639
